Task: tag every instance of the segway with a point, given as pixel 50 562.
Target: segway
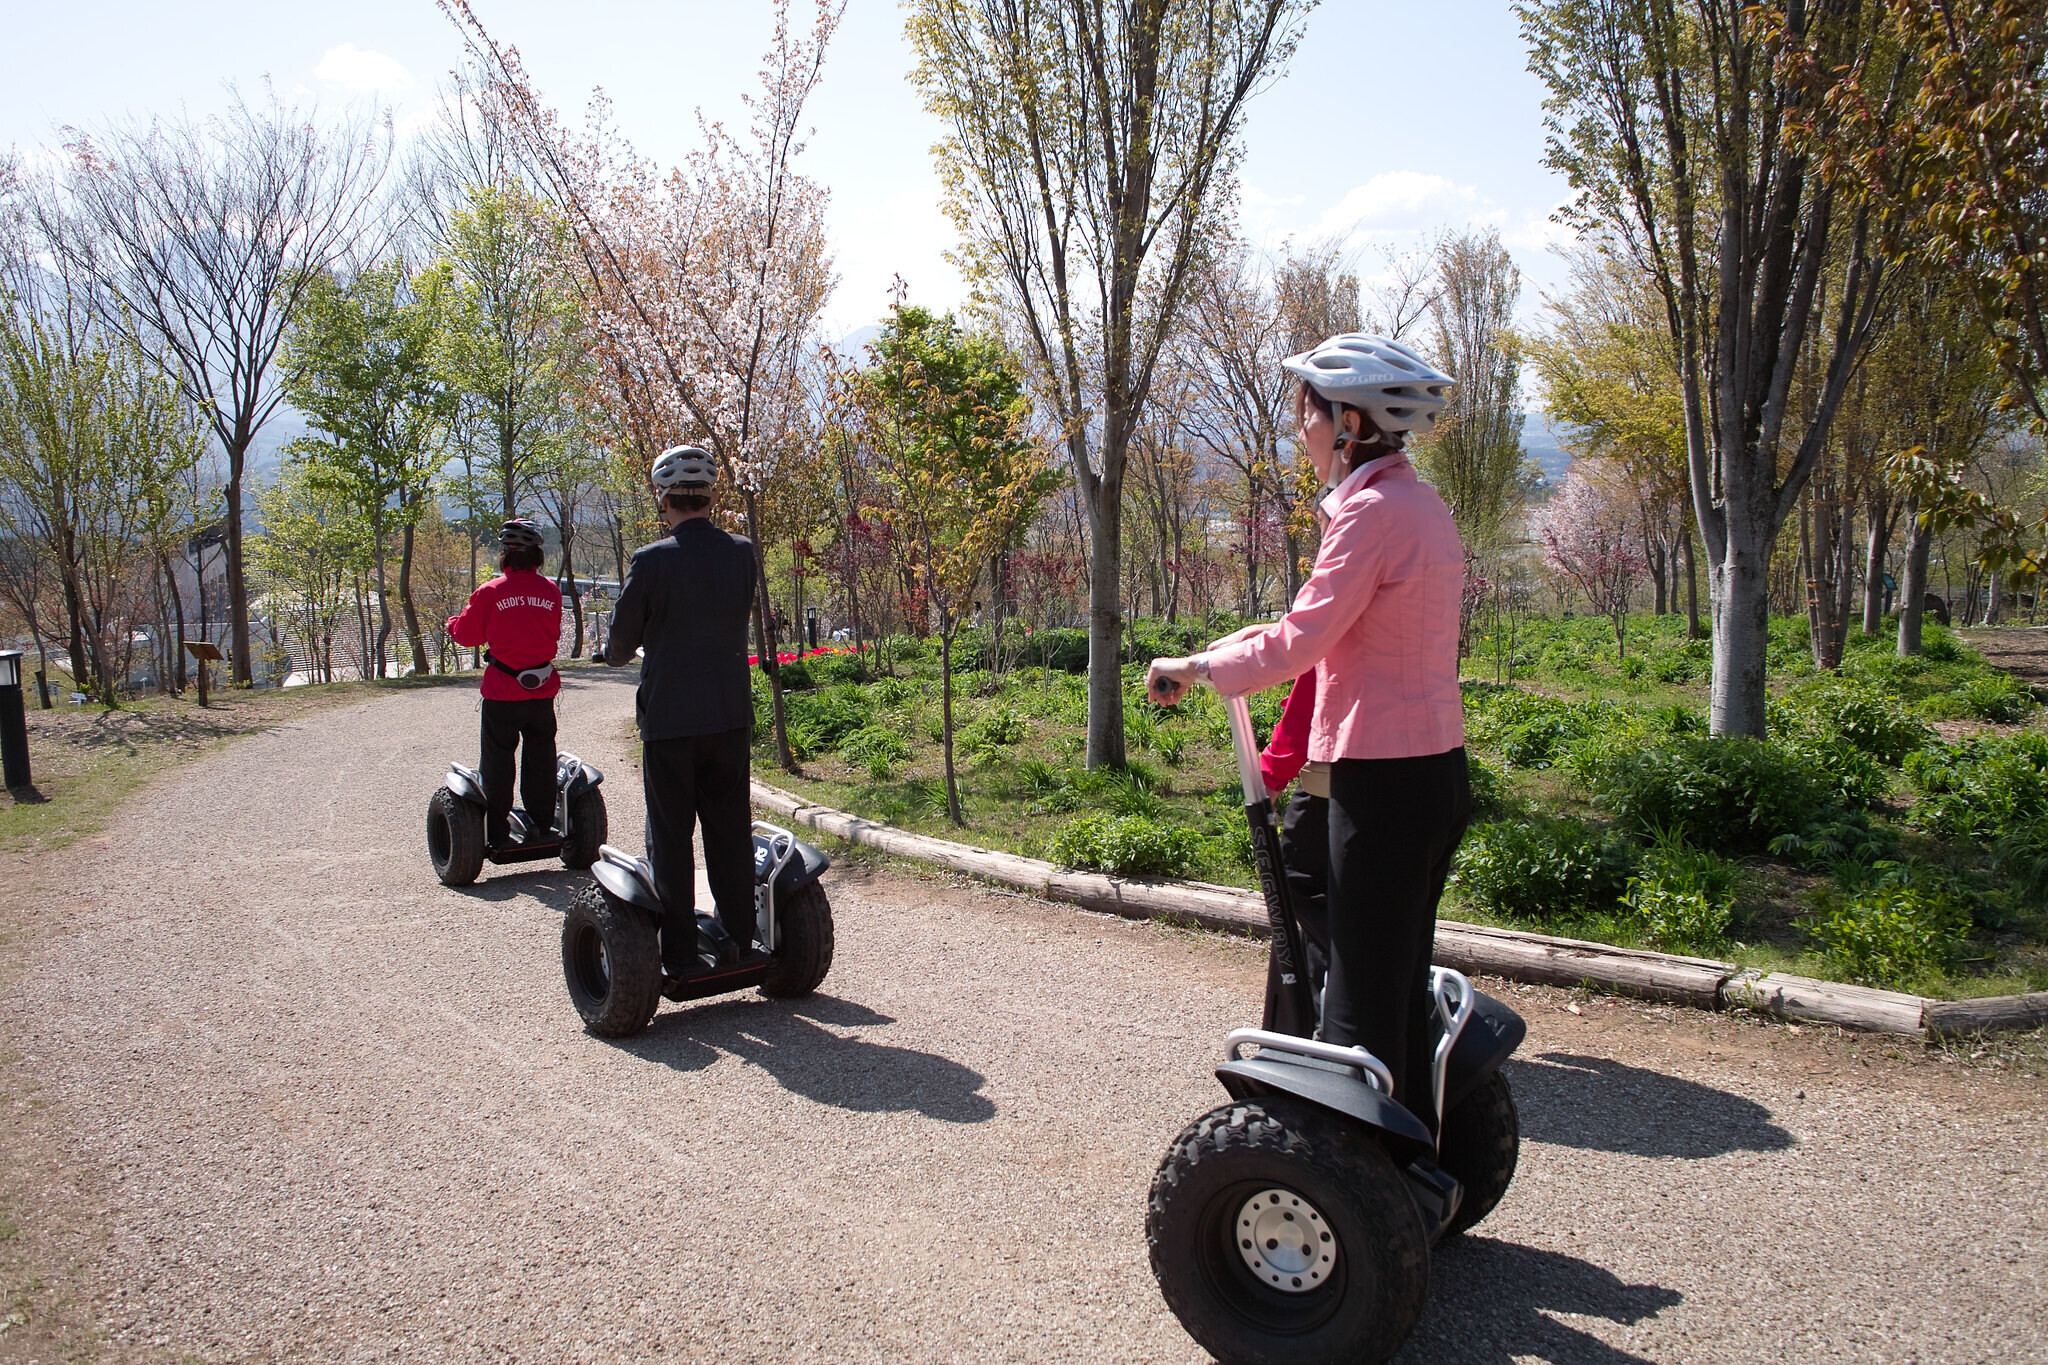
pixel 1294 1223
pixel 611 938
pixel 455 824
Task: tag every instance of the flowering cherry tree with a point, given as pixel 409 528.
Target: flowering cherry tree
pixel 1589 535
pixel 705 280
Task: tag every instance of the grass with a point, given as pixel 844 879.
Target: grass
pixel 870 745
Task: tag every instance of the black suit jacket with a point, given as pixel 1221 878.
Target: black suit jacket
pixel 686 600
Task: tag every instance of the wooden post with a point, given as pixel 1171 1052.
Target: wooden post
pixel 203 652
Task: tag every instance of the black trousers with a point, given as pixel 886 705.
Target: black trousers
pixel 1394 825
pixel 700 779
pixel 506 725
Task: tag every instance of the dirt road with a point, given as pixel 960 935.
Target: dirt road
pixel 274 1094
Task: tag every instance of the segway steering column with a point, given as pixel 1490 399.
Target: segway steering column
pixel 1290 1005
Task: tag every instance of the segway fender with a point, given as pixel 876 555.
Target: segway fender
pixel 573 776
pixel 1340 1092
pixel 466 783
pixel 622 885
pixel 806 867
pixel 1490 1037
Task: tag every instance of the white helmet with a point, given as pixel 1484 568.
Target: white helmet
pixel 681 467
pixel 1383 379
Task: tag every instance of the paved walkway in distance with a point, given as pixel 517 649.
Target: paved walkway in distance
pixel 301 1103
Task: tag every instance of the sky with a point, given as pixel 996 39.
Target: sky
pixel 1393 121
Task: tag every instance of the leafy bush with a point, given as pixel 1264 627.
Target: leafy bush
pixel 1060 649
pixel 1905 922
pixel 1855 779
pixel 1682 897
pixel 1997 697
pixel 1982 788
pixel 1541 869
pixel 1724 794
pixel 876 748
pixel 999 729
pixel 1856 712
pixel 1126 845
pixel 796 675
pixel 826 669
pixel 820 720
pixel 1529 730
pixel 1489 788
pixel 1835 837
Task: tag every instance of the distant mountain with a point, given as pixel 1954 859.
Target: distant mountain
pixel 854 345
pixel 1540 440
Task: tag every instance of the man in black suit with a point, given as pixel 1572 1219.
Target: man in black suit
pixel 685 601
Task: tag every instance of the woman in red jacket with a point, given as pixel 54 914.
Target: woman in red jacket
pixel 517 616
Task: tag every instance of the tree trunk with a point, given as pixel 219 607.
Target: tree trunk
pixel 1105 631
pixel 764 632
pixel 1877 513
pixel 420 666
pixel 1994 597
pixel 383 597
pixel 575 593
pixel 1692 585
pixel 1653 553
pixel 1913 582
pixel 178 613
pixel 238 586
pixel 1741 603
pixel 948 625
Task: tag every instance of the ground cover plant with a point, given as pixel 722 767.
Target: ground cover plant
pixel 1891 829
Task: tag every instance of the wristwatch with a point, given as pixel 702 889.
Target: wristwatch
pixel 1201 662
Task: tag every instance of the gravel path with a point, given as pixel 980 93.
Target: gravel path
pixel 315 1107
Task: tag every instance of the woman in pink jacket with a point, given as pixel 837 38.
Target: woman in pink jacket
pixel 1377 621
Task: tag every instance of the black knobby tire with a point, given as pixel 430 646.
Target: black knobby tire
pixel 611 960
pixel 1377 1279
pixel 804 924
pixel 455 838
pixel 1481 1143
pixel 589 827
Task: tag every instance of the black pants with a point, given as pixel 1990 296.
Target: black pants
pixel 691 780
pixel 1394 825
pixel 506 724
pixel 1305 849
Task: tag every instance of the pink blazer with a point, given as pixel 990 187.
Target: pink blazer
pixel 1377 620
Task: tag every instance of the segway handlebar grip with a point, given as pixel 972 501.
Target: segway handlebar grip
pixel 1374 1070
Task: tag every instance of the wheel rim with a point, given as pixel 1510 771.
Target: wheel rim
pixel 1285 1241
pixel 593 964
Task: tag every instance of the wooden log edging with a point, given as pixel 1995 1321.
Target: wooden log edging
pixel 1699 982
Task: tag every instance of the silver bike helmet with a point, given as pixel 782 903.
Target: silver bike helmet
pixel 682 467
pixel 520 533
pixel 1391 384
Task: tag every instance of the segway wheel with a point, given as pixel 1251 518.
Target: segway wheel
pixel 611 959
pixel 588 828
pixel 804 924
pixel 1481 1142
pixel 1283 1235
pixel 455 838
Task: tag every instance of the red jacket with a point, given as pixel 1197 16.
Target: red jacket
pixel 1287 750
pixel 519 616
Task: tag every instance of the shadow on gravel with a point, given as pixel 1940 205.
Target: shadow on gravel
pixel 1492 1301
pixel 786 1038
pixel 1606 1106
pixel 549 883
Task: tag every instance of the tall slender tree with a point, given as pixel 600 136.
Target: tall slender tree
pixel 1090 152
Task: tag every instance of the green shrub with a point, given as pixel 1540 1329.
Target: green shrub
pixel 1126 845
pixel 1902 924
pixel 1858 713
pixel 1997 697
pixel 1057 648
pixel 1682 897
pixel 876 748
pixel 1832 837
pixel 999 728
pixel 1489 788
pixel 1982 788
pixel 796 675
pixel 1541 869
pixel 826 669
pixel 1855 779
pixel 1727 795
pixel 820 720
